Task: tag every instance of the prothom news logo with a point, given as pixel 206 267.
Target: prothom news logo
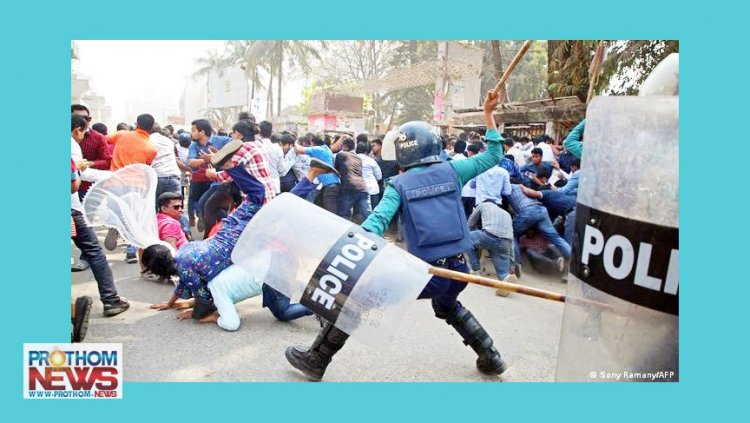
pixel 72 371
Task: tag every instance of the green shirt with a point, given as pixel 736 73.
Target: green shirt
pixel 466 170
pixel 573 141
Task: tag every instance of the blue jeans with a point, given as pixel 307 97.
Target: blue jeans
pixel 557 203
pixel 312 196
pixel 185 223
pixel 501 250
pixel 91 251
pixel 353 199
pixel 536 217
pixel 279 306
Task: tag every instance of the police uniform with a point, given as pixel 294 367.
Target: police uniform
pixel 428 200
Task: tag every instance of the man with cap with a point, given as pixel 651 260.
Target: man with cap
pixel 199 262
pixel 428 199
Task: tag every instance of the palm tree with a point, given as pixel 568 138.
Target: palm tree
pixel 568 70
pixel 212 61
pixel 274 54
pixel 236 52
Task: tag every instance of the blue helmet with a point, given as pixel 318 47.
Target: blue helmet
pixel 417 143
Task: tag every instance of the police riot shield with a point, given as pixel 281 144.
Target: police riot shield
pixel 350 277
pixel 626 250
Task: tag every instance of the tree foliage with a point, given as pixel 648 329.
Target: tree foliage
pixel 278 55
pixel 569 63
pixel 356 61
pixel 626 66
pixel 629 63
pixel 271 58
pixel 528 81
pixel 213 60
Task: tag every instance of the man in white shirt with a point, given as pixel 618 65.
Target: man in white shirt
pixel 513 150
pixel 459 148
pixel 167 171
pixel 547 155
pixel 525 144
pixel 165 163
pixel 371 172
pixel 276 164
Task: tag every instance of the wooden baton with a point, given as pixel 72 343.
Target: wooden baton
pixel 507 286
pixel 509 70
pixel 513 287
pixel 595 69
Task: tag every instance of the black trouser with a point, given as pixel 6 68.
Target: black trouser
pixel 197 189
pixel 218 204
pixel 542 262
pixel 288 181
pixel 91 251
pixel 330 196
pixel 468 203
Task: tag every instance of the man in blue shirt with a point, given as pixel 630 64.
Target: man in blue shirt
pixel 492 185
pixel 530 170
pixel 571 188
pixel 201 133
pixel 330 182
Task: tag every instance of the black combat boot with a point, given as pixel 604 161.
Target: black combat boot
pixel 479 340
pixel 313 361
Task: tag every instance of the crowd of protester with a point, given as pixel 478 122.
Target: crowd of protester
pixel 525 205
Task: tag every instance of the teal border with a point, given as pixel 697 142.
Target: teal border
pixel 36 66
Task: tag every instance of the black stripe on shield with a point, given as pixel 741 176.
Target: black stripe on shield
pixel 633 260
pixel 339 271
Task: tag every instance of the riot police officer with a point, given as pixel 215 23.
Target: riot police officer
pixel 428 198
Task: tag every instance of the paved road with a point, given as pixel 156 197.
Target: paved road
pixel 157 347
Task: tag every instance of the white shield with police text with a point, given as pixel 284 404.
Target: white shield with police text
pixel 625 246
pixel 352 278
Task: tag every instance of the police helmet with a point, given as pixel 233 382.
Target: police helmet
pixel 412 144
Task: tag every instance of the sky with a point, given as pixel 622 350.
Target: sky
pixel 147 72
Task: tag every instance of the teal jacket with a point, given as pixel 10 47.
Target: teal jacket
pixel 466 170
pixel 573 141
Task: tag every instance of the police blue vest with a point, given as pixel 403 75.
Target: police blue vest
pixel 432 214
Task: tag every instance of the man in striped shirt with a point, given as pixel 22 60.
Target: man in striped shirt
pixel 255 161
pixel 496 236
